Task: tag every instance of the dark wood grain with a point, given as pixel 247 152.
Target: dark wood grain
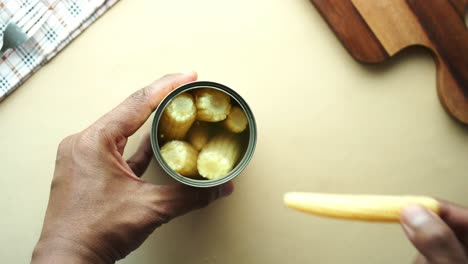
pixel 460 6
pixel 374 30
pixel 447 31
pixel 351 29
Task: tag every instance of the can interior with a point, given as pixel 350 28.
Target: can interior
pixel 247 137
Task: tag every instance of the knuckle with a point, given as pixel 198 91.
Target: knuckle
pixel 140 99
pixel 84 144
pixel 99 132
pixel 159 206
pixel 140 96
pixel 64 146
pixel 163 213
pixel 96 137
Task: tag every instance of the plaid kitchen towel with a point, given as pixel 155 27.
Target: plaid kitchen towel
pixel 68 19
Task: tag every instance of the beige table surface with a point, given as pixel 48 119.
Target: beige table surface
pixel 326 123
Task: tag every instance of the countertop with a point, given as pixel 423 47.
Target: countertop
pixel 326 124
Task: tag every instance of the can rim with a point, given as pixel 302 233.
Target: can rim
pixel 248 152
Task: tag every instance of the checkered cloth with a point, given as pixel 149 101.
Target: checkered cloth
pixel 69 18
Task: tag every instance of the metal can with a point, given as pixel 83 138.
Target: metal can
pixel 249 147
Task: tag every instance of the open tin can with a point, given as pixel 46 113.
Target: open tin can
pixel 248 137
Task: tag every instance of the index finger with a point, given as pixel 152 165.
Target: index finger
pixel 131 114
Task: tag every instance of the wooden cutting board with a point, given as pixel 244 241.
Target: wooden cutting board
pixel 375 30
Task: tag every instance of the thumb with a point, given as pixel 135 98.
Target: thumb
pixel 132 113
pixel 170 201
pixel 431 236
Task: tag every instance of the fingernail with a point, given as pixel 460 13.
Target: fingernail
pixel 226 189
pixel 415 216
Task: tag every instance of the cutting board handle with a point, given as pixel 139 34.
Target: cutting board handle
pixel 375 30
pixel 444 23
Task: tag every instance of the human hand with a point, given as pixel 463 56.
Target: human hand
pixel 441 239
pixel 99 209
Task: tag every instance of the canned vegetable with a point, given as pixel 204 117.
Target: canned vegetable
pixel 203 134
